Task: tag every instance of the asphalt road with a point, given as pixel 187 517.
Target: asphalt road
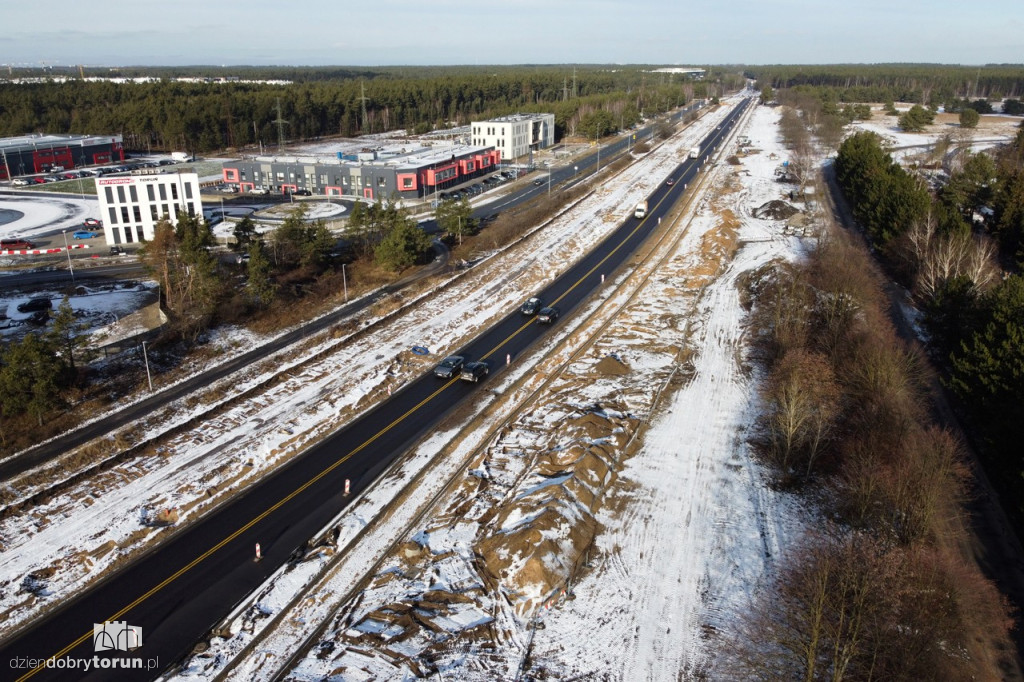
pixel 180 590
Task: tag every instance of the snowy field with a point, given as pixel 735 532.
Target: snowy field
pixel 604 532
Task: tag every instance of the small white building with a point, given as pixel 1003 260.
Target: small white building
pixel 516 135
pixel 131 206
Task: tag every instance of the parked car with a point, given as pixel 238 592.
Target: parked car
pixel 16 244
pixel 228 189
pixel 92 222
pixel 302 193
pixel 670 182
pixel 259 190
pixel 83 234
pixel 35 304
pixel 19 182
pixel 449 367
pixel 474 371
pixel 548 315
pixel 116 251
pixel 532 306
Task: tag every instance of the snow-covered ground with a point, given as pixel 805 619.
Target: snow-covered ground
pixel 686 527
pixel 657 526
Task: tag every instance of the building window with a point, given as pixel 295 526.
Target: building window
pixel 163 194
pixel 134 193
pixel 140 233
pixel 113 214
pixel 166 212
pixel 124 214
pixel 188 191
pixel 150 192
pixel 152 212
pixel 382 182
pixel 138 212
pixel 110 194
pixel 115 232
pixel 174 192
pixel 120 194
pixel 128 234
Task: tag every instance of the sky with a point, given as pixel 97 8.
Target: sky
pixel 392 32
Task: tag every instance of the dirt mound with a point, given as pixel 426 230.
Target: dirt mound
pixel 610 365
pixel 774 210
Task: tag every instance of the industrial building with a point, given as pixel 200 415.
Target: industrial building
pixel 405 171
pixel 132 206
pixel 517 135
pixel 30 154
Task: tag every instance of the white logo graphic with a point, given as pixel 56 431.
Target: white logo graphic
pixel 116 636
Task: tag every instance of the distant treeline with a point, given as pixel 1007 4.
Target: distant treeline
pixel 929 84
pixel 167 114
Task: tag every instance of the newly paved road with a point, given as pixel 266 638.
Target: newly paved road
pixel 184 587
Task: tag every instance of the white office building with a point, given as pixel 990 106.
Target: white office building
pixel 515 135
pixel 132 206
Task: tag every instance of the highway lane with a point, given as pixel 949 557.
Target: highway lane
pixel 177 592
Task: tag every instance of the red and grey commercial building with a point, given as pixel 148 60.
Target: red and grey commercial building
pixel 370 173
pixel 30 154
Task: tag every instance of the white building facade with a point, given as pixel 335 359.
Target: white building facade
pixel 516 135
pixel 130 207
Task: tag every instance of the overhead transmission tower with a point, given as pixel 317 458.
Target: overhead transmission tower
pixel 281 123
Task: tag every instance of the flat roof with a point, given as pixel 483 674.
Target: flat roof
pixel 44 140
pixel 513 118
pixel 394 156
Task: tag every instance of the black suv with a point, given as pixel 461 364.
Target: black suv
pixel 548 315
pixel 302 193
pixel 532 305
pixel 449 367
pixel 474 371
pixel 35 304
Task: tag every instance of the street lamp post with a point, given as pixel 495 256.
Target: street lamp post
pixel 344 281
pixel 549 180
pixel 575 169
pixel 145 356
pixel 67 249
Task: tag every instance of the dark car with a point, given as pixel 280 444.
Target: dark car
pixel 532 305
pixel 116 251
pixel 302 193
pixel 92 222
pixel 548 315
pixel 670 182
pixel 474 371
pixel 34 304
pixel 538 182
pixel 449 367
